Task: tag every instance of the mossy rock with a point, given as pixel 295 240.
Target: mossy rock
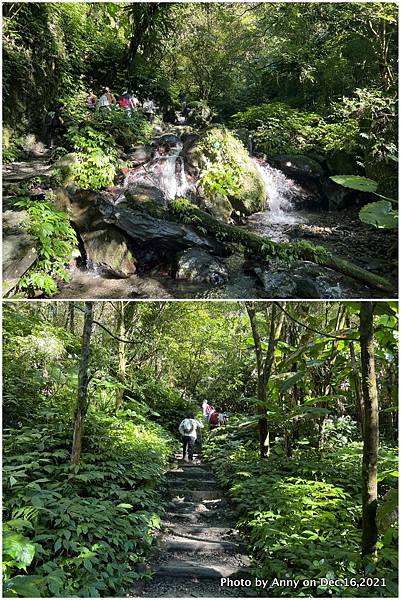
pixel 226 170
pixel 65 168
pixel 146 198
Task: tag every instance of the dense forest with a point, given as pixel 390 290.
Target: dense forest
pixel 257 157
pixel 305 460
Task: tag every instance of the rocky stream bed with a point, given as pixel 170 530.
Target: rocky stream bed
pixel 134 244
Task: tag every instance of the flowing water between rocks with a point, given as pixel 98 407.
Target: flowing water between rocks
pixel 164 174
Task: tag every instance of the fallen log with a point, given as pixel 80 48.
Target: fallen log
pixel 188 213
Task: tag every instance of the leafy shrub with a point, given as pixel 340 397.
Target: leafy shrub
pixel 298 513
pixel 55 240
pixel 279 129
pixel 91 524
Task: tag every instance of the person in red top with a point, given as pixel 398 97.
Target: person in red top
pixel 216 418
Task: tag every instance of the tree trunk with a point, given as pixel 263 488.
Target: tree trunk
pixel 122 353
pixel 359 409
pixel 264 367
pixel 371 431
pixel 83 381
pixel 266 248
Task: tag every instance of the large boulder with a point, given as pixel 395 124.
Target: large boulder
pixel 19 251
pixel 107 250
pixel 226 169
pixel 298 166
pixel 66 167
pixel 162 235
pixel 140 154
pixel 198 266
pixel 148 198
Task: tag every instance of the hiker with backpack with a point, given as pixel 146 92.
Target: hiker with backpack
pixel 56 126
pixel 188 429
pixel 216 418
pixel 126 102
pixel 207 410
pixel 91 101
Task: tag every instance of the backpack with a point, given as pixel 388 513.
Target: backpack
pixel 187 426
pixel 214 418
pixel 124 102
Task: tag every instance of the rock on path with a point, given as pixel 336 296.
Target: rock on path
pixel 199 544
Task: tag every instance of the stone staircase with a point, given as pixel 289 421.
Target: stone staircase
pixel 199 544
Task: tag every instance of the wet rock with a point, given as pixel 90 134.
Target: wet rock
pixel 276 284
pixel 219 207
pixel 107 249
pixel 198 266
pixel 298 166
pixel 140 155
pixel 170 139
pixel 163 235
pixel 337 197
pixel 146 197
pixel 189 138
pixel 307 288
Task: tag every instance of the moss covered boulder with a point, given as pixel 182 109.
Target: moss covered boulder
pixel 227 171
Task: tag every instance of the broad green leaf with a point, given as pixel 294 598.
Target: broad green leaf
pixel 19 548
pixel 355 182
pixel 291 381
pixel 380 214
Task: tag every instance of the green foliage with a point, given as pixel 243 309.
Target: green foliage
pixel 55 240
pixel 380 214
pixel 355 182
pixel 90 524
pixel 298 513
pixel 280 129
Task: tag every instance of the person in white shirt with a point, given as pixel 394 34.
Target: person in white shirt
pixel 188 429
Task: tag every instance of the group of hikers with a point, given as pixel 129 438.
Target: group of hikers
pixel 190 428
pixel 107 102
pixel 128 101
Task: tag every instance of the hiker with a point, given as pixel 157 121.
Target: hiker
pixel 183 100
pixel 134 101
pixel 56 126
pixel 188 429
pixel 207 409
pixel 91 101
pixel 105 100
pixel 149 109
pixel 216 418
pixel 126 102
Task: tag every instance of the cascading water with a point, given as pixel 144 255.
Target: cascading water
pixel 165 172
pixel 280 191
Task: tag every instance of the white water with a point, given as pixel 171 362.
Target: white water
pixel 165 172
pixel 280 192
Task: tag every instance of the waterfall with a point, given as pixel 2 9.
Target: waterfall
pixel 280 192
pixel 165 172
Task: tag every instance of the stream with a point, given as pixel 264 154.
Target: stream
pixel 283 220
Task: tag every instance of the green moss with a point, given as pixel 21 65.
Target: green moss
pixel 227 171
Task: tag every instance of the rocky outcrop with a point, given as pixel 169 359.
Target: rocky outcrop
pixel 198 266
pixel 298 166
pixel 225 170
pixel 108 251
pixel 19 251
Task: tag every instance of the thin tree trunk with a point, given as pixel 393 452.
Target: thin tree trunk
pixel 359 408
pixel 83 381
pixel 371 431
pixel 122 354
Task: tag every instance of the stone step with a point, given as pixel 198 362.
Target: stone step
pixel 204 531
pixel 196 518
pixel 195 495
pixel 191 569
pixel 197 546
pixel 189 473
pixel 193 484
